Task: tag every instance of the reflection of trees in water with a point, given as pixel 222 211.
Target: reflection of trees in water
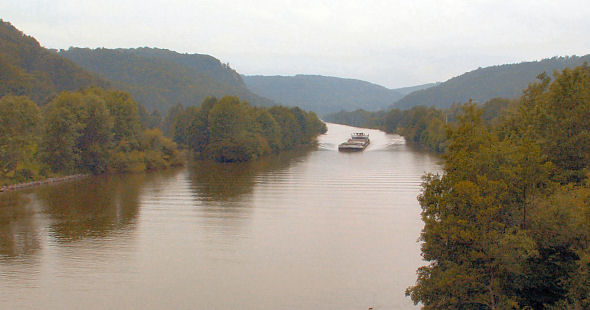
pixel 228 181
pixel 92 207
pixel 19 234
pixel 222 192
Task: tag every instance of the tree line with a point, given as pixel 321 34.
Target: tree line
pixel 419 125
pixel 105 131
pixel 231 130
pixel 90 131
pixel 507 224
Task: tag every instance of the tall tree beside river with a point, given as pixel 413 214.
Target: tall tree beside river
pixel 19 128
pixel 506 225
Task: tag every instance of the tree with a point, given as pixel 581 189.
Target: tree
pixel 95 142
pixel 170 119
pixel 231 131
pixel 20 121
pixel 61 130
pixel 269 128
pixel 287 122
pixel 469 235
pixel 566 132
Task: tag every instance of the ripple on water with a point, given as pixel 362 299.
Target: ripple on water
pixel 321 229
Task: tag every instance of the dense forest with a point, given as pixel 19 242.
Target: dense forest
pixel 230 130
pixel 90 131
pixel 323 94
pixel 27 69
pixel 507 224
pixel 483 84
pixel 159 79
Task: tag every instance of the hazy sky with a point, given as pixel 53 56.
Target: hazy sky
pixel 392 43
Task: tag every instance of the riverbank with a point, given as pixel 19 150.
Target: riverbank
pixel 19 186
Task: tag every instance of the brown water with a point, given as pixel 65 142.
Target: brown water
pixel 314 230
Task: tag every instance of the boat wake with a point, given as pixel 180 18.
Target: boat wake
pixel 380 141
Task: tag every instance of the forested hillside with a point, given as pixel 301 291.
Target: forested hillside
pixel 322 94
pixel 27 69
pixel 483 84
pixel 203 64
pixel 160 79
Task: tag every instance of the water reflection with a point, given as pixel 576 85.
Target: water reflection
pixel 19 236
pixel 98 206
pixel 227 182
pixel 92 207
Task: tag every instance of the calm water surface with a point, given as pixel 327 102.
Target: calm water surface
pixel 313 230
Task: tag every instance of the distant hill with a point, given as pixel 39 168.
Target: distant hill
pixel 483 84
pixel 323 94
pixel 408 90
pixel 160 78
pixel 28 69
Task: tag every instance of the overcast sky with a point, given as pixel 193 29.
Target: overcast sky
pixel 392 43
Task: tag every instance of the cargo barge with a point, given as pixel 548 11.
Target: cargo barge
pixel 358 142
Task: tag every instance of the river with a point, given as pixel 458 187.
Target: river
pixel 315 229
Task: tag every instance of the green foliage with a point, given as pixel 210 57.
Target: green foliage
pixel 19 130
pixel 269 128
pixel 159 151
pixel 97 136
pixel 507 226
pixel 149 120
pixel 230 130
pixel 91 131
pixel 61 130
pixel 564 122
